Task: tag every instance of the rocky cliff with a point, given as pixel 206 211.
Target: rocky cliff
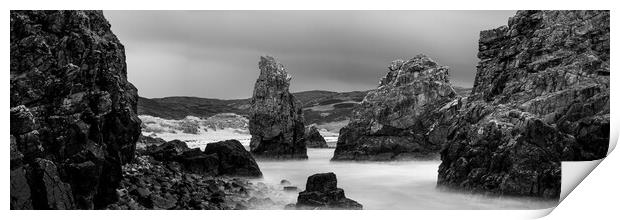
pixel 404 117
pixel 541 95
pixel 73 112
pixel 276 117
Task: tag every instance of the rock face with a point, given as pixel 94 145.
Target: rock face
pixel 276 117
pixel 541 95
pixel 220 158
pixel 73 112
pixel 322 193
pixel 314 138
pixel 405 117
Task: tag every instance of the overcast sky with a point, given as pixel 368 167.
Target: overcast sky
pixel 215 54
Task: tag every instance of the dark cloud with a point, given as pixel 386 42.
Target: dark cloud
pixel 215 53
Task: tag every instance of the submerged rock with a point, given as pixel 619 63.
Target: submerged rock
pixel 322 193
pixel 73 112
pixel 314 139
pixel 541 95
pixel 405 117
pixel 276 117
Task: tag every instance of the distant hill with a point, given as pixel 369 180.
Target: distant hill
pixel 319 106
pixel 178 107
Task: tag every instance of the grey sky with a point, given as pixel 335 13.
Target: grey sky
pixel 215 54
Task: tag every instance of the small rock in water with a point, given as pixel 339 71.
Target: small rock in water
pixel 290 188
pixel 322 193
pixel 285 182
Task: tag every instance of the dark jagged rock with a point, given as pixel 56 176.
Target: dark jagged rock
pixel 221 158
pixel 322 193
pixel 234 160
pixel 152 184
pixel 541 95
pixel 276 117
pixel 314 139
pixel 73 112
pixel 146 141
pixel 404 118
pixel 168 151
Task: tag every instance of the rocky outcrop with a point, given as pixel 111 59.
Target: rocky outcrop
pixel 541 95
pixel 152 184
pixel 322 193
pixel 146 141
pixel 221 158
pixel 276 117
pixel 234 159
pixel 73 112
pixel 314 139
pixel 405 117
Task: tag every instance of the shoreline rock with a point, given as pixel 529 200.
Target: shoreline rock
pixel 541 96
pixel 322 193
pixel 276 117
pixel 73 113
pixel 404 118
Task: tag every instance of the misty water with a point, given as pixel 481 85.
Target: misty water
pixel 383 185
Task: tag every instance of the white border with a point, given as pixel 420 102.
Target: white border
pixel 596 197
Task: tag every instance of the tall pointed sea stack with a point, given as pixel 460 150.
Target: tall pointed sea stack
pixel 276 117
pixel 404 118
pixel 73 113
pixel 541 95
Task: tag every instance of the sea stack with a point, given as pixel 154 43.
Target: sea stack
pixel 404 118
pixel 314 139
pixel 540 96
pixel 276 117
pixel 73 113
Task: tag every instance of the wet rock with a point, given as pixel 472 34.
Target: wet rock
pixel 322 193
pixel 276 117
pixel 314 139
pixel 234 160
pixel 70 96
pixel 541 96
pixel 405 117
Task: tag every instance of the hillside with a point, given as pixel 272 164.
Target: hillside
pixel 331 109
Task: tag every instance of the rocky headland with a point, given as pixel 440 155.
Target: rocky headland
pixel 541 96
pixel 276 117
pixel 73 113
pixel 404 118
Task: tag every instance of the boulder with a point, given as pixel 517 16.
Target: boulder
pixel 146 141
pixel 314 139
pixel 234 160
pixel 276 117
pixel 73 112
pixel 540 96
pixel 405 117
pixel 168 151
pixel 322 193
